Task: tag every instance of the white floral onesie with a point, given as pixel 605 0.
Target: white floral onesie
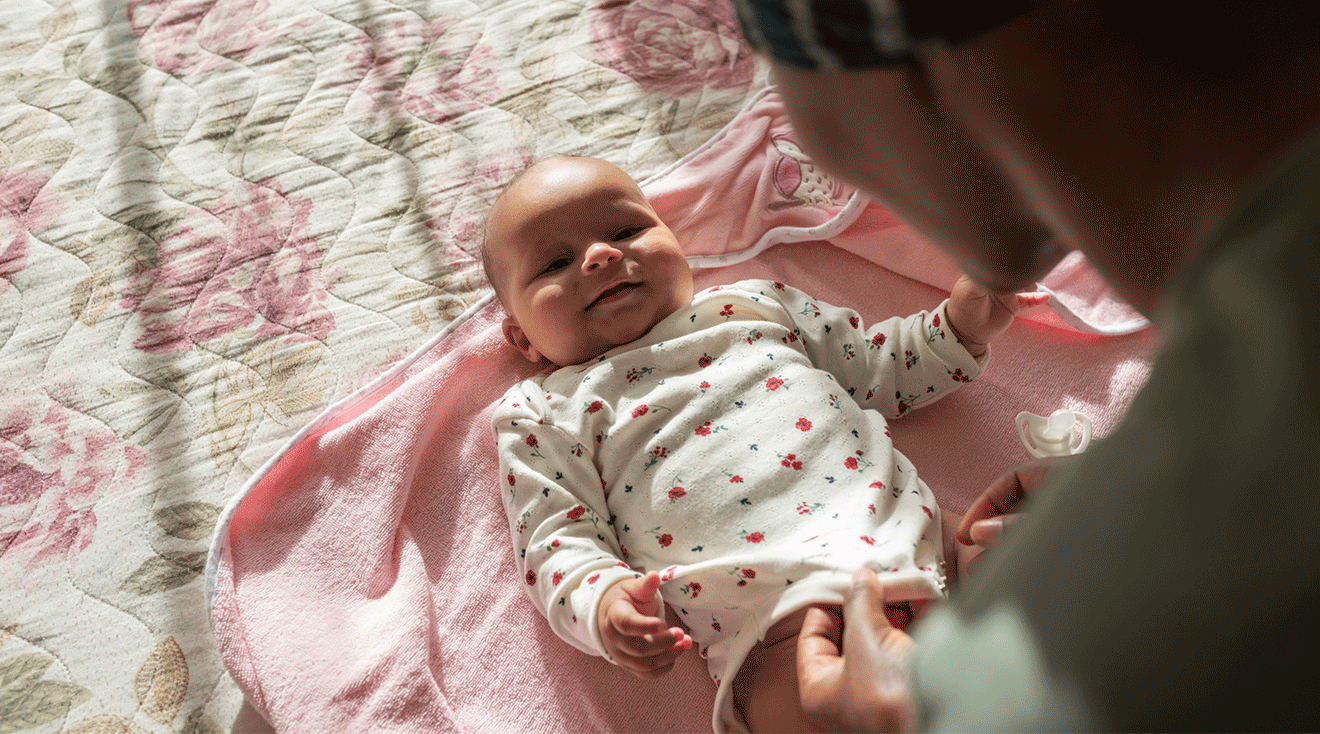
pixel 740 449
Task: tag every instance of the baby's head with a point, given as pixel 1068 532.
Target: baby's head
pixel 580 260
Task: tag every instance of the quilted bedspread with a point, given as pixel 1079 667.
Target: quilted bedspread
pixel 218 217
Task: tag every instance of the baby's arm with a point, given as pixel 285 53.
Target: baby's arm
pixel 633 628
pixel 563 538
pixel 892 366
pixel 978 315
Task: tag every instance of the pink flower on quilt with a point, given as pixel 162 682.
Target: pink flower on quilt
pixel 189 37
pixel 640 411
pixel 252 262
pixel 677 493
pixel 56 464
pixel 25 204
pixel 803 425
pixel 674 47
pixel 576 512
pixel 456 74
pixel 774 383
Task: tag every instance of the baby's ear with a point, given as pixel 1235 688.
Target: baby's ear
pixel 515 336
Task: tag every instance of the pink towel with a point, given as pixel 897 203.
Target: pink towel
pixel 364 579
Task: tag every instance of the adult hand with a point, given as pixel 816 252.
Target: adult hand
pixel 634 630
pixel 994 510
pixel 866 689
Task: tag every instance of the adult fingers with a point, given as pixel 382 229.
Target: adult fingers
pixel 1007 492
pixel 820 666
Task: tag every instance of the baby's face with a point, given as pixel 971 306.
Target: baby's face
pixel 584 264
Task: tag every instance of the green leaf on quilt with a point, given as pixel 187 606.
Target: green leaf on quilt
pixel 26 700
pixel 188 520
pixel 166 571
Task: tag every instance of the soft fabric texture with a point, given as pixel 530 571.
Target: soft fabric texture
pixel 364 579
pixel 741 450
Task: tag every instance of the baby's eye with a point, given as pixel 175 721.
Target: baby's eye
pixel 627 232
pixel 558 263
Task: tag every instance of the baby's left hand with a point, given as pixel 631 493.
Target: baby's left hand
pixel 978 315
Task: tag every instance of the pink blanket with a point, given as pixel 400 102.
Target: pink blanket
pixel 364 579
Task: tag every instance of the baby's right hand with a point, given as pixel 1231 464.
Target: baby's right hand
pixel 633 631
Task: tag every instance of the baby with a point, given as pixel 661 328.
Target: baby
pixel 726 453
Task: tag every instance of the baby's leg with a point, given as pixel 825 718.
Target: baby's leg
pixel 766 689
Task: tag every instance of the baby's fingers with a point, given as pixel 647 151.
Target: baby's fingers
pixel 654 666
pixel 643 646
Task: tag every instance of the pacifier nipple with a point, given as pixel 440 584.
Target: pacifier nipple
pixel 1052 436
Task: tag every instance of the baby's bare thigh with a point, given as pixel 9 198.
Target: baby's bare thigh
pixel 766 689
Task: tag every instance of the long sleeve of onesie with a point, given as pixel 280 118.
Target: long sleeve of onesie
pixel 563 536
pixel 892 366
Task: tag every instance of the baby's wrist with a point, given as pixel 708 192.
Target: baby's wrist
pixel 972 346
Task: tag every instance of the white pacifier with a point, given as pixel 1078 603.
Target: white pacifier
pixel 1053 436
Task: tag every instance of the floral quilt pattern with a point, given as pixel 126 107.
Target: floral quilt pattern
pixel 219 216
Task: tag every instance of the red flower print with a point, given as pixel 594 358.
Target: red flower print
pixel 935 321
pixel 878 340
pixel 554 543
pixel 754 537
pixel 715 626
pixel 704 429
pixel 639 411
pixel 512 481
pixel 791 462
pixel 850 462
pixel 595 406
pixel 871 508
pixel 929 514
pixel 576 512
pixel 665 540
pixel 693 589
pixel 958 376
pixel 749 573
pixel 704 385
pixel 531 578
pixel 853 321
pixel 803 425
pixel 727 310
pixel 779 286
pixel 556 578
pixel 668 575
pixel 676 492
pixel 735 479
pixel 531 440
pixel 877 485
pixel 593 578
pixel 774 383
pixel 868 540
pixel 705 361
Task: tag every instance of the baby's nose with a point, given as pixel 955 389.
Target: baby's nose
pixel 600 254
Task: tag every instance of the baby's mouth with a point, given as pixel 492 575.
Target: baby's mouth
pixel 613 293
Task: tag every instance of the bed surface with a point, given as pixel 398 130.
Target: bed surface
pixel 217 218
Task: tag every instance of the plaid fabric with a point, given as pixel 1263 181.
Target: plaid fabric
pixel 850 34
